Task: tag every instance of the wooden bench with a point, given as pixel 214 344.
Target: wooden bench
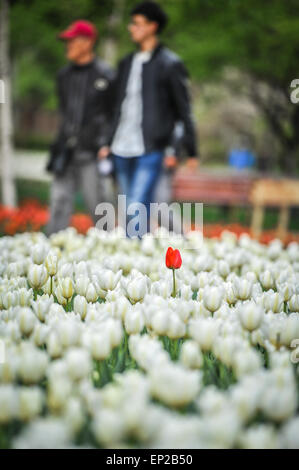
pixel 237 189
pixel 282 193
pixel 230 189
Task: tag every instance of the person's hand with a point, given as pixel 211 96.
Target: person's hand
pixel 103 152
pixel 192 164
pixel 170 161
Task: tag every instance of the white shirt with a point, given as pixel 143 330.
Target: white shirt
pixel 128 138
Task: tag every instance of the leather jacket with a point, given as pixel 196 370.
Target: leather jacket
pixel 166 101
pixel 84 90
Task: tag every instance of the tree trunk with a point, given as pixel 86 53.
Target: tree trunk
pixel 8 186
pixel 109 48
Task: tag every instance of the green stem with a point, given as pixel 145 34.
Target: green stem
pixel 126 349
pixel 104 373
pixel 174 286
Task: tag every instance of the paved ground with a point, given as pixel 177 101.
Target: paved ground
pixel 31 165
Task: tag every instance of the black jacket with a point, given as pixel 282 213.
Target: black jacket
pixel 84 96
pixel 166 100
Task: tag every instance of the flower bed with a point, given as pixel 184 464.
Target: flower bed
pixel 32 216
pixel 110 342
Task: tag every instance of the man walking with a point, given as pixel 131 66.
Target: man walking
pixel 151 96
pixel 83 87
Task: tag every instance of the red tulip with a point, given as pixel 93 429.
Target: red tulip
pixel 173 259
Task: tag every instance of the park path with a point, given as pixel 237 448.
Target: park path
pixel 31 165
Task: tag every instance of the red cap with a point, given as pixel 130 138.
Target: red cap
pixel 79 28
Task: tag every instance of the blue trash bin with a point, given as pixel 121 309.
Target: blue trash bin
pixel 241 158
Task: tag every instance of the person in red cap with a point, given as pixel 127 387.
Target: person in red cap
pixel 84 88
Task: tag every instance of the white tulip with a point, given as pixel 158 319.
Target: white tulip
pixel 40 334
pixel 25 297
pixel 27 320
pixel 8 403
pixel 190 355
pixel 78 363
pixel 211 401
pixel 39 253
pixel 176 328
pixel 223 268
pixel 136 289
pixel 186 292
pixel 246 362
pixel 55 311
pixel 30 403
pixel 245 401
pixel 293 303
pixel 44 433
pixel 100 346
pixel 289 434
pixel 212 298
pixel 14 270
pixel 66 287
pixel 81 285
pixel 148 244
pixel 174 385
pixel 290 330
pixel 80 306
pixel 225 349
pixel 287 290
pixel 108 280
pixel 8 369
pixel 10 299
pixel 115 332
pixel 108 427
pixel 251 315
pixel 272 301
pixel 41 306
pixel 51 263
pixel 58 294
pixel 162 288
pixel 37 276
pixel 91 293
pixel 204 331
pixel 259 436
pixel 242 288
pixel 59 393
pixel 65 270
pixel 122 306
pixel 69 332
pixel 279 404
pixel 33 366
pixel 222 430
pixel 73 414
pixel 54 346
pixel 134 321
pixel 230 295
pixel 266 279
pixel 160 322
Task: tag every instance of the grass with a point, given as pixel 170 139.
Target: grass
pixel 40 191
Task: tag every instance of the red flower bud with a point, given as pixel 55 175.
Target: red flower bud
pixel 173 259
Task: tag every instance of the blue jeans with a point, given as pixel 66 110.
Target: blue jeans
pixel 137 178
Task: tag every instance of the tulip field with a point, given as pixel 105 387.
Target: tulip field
pixel 108 342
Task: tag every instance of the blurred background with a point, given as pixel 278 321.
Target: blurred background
pixel 242 58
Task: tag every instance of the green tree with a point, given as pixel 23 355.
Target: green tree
pixel 260 39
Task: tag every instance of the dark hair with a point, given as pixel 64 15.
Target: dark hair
pixel 153 12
